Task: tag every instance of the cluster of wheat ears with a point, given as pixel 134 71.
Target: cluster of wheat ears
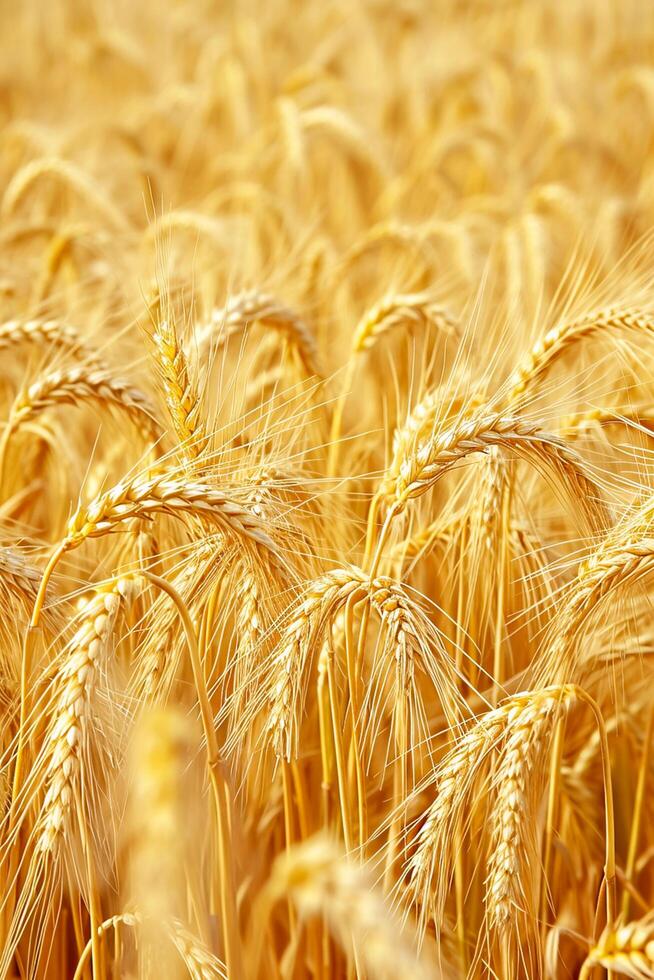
pixel 326 489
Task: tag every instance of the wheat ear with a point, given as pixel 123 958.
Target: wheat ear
pixel 181 396
pixel 253 306
pixel 17 575
pixel 519 766
pixel 627 949
pixel 411 309
pixel 565 335
pixel 76 684
pixel 321 602
pixel 73 385
pixel 320 880
pixel 48 334
pixel 163 493
pixel 624 557
pixel 520 727
pixel 421 470
pixel 198 959
pixel 636 419
pixel 69 174
pixel 415 308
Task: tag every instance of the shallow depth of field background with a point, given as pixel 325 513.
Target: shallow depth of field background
pixel 326 514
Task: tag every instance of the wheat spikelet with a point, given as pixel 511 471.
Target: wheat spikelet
pixel 72 385
pixel 321 881
pixel 253 306
pixel 181 396
pixel 75 684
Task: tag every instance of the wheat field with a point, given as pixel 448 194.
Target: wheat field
pixel 326 489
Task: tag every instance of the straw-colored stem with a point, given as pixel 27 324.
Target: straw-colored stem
pixel 552 796
pixel 337 417
pixel 636 820
pixel 339 756
pixel 218 781
pixel 355 707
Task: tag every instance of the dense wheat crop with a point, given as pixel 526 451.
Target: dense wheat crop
pixel 326 489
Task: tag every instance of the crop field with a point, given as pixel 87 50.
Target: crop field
pixel 326 489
